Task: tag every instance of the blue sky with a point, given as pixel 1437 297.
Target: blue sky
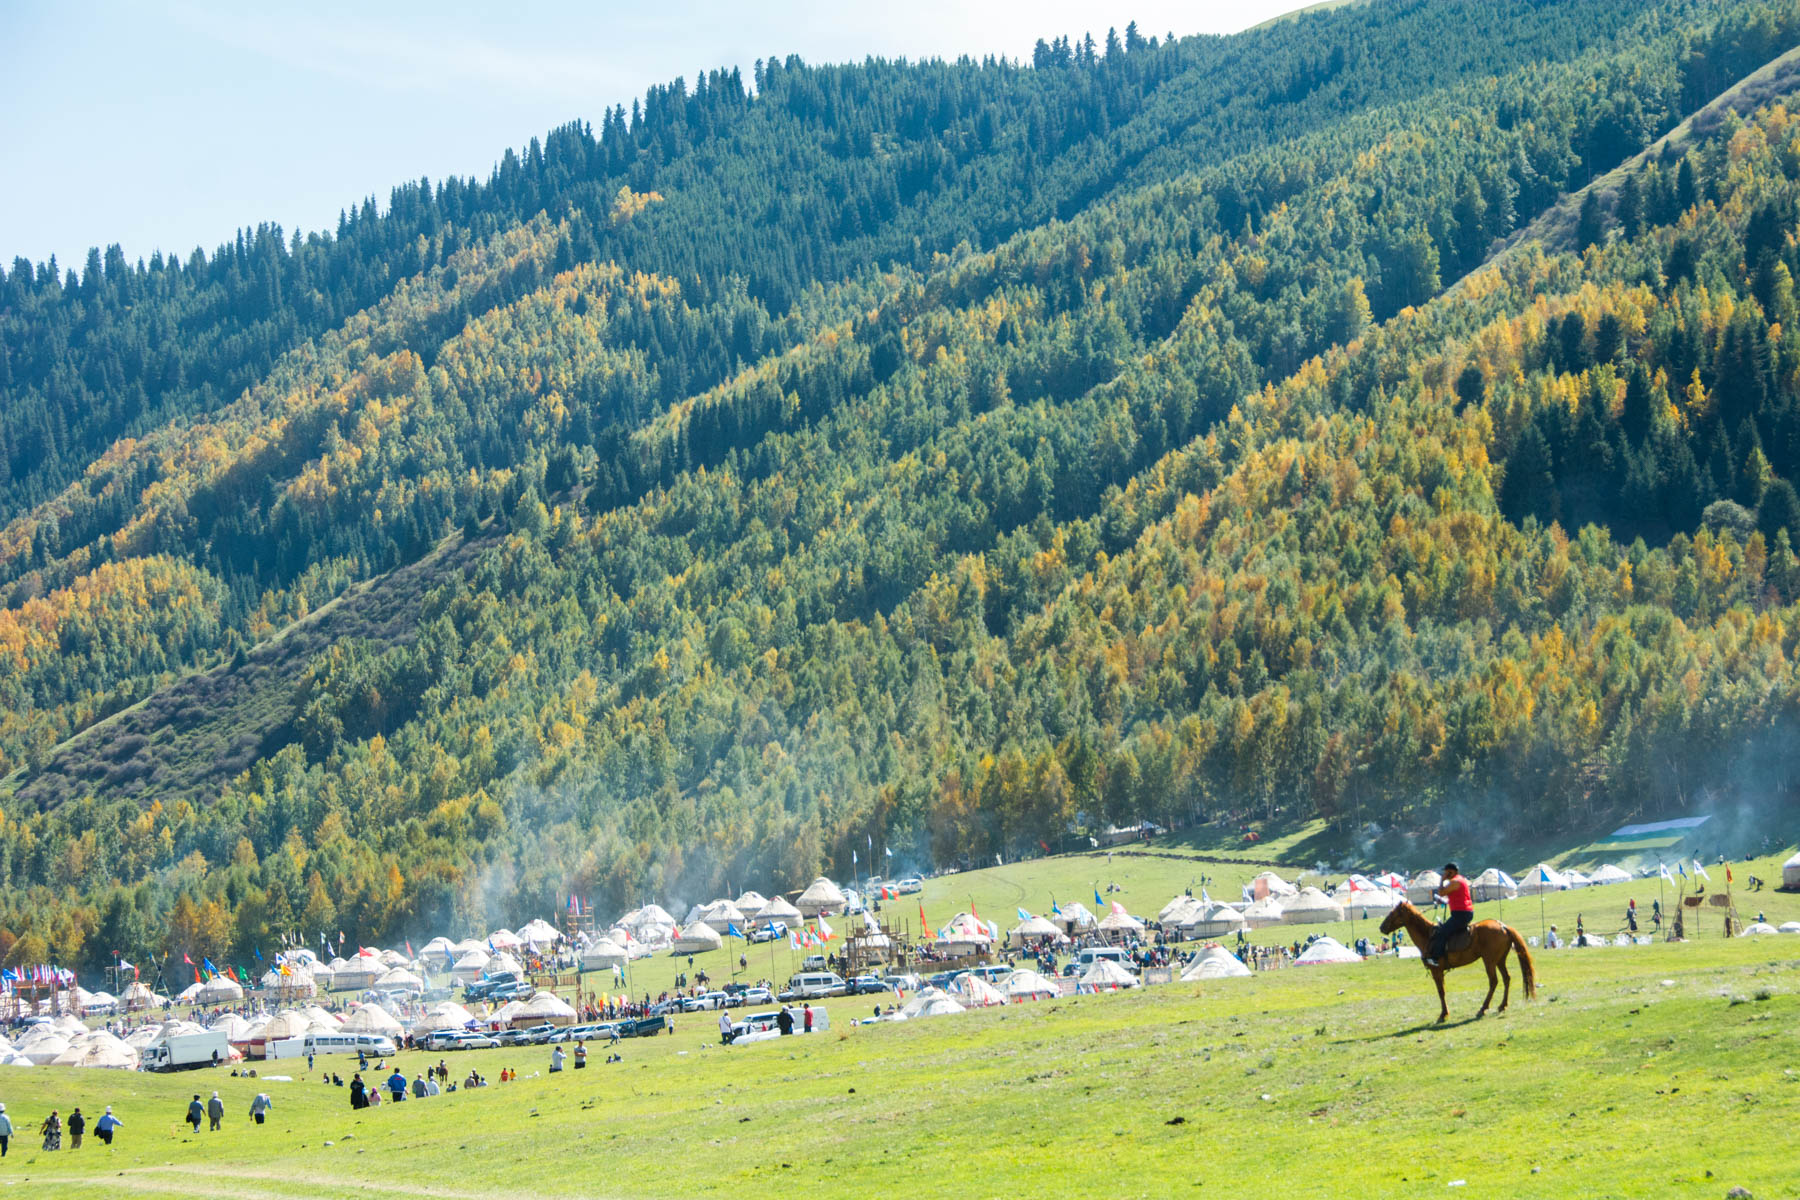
pixel 171 125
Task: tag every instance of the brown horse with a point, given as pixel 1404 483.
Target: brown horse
pixel 1488 942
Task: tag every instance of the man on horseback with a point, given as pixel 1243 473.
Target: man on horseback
pixel 1456 892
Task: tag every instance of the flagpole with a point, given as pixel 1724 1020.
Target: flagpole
pixel 1662 917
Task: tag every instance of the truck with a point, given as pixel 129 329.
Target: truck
pixel 185 1051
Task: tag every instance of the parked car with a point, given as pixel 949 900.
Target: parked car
pixel 813 962
pixel 754 1023
pixel 663 1008
pixel 577 1033
pixel 485 987
pixel 705 1001
pixel 757 995
pixel 814 985
pixel 907 982
pixel 911 884
pixel 768 931
pixel 865 984
pixel 511 991
pixel 459 1039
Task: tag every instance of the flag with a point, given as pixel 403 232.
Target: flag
pixel 1701 871
pixel 1727 874
pixel 888 850
pixel 1204 898
pixel 409 950
pixel 997 861
pixel 1543 874
pixel 491 941
pixel 206 964
pixel 125 966
pixel 732 930
pixel 923 923
pixel 1098 902
pixel 793 940
pixel 186 959
pixel 1119 909
pixel 1356 887
pixel 258 952
pixel 1055 910
pixel 826 930
pixel 1023 915
pixel 1682 868
pixel 871 845
pixel 1664 872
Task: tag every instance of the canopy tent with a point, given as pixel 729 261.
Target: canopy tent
pixel 400 980
pixel 1268 883
pixel 1029 985
pixel 1310 907
pixel 1214 921
pixel 751 904
pixel 1495 884
pixel 1263 913
pixel 469 967
pixel 1542 878
pixel 1611 874
pixel 1074 917
pixel 697 938
pixel 930 1002
pixel 822 898
pixel 972 991
pixel 1326 951
pixel 544 1007
pixel 539 934
pixel 603 955
pixel 219 990
pixel 1214 962
pixel 1107 976
pixel 1790 873
pixel 1420 887
pixel 1034 929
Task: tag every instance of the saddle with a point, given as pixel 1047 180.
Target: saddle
pixel 1460 941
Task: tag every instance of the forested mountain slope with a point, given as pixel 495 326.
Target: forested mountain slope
pixel 941 455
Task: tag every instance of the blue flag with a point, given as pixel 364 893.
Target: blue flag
pixel 1055 911
pixel 732 929
pixel 259 956
pixel 1097 900
pixel 1023 915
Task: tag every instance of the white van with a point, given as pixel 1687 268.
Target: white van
pixel 1087 957
pixel 814 985
pixel 349 1043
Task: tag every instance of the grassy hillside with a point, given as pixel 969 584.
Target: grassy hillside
pixel 1614 1083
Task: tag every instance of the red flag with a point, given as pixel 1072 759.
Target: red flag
pixel 409 952
pixel 922 920
pixel 1727 874
pixel 186 959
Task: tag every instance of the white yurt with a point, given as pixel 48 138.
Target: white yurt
pixel 372 1018
pixel 1107 976
pixel 504 962
pixel 603 955
pixel 822 898
pixel 723 914
pixel 1263 913
pixel 1214 962
pixel 1370 902
pixel 1120 926
pixel 751 903
pixel 439 949
pixel 99 1049
pixel 298 982
pixel 1075 918
pixel 1176 911
pixel 1541 879
pixel 235 1027
pixel 219 990
pixel 469 967
pixel 42 1048
pixel 1494 884
pixel 778 909
pixel 972 991
pixel 69 1025
pixel 696 914
pixel 1216 921
pixel 1608 873
pixel 544 1008
pixel 1790 873
pixel 1790 927
pixel 504 1014
pixel 1758 927
pixel 1268 883
pixel 358 972
pixel 930 1002
pixel 505 939
pixel 1310 907
pixel 447 1015
pixel 539 934
pixel 1033 931
pixel 1421 886
pixel 400 980
pixel 138 997
pixel 1574 879
pixel 1327 951
pixel 1029 985
pixel 322 1021
pixel 697 938
pixel 393 958
pixel 964 934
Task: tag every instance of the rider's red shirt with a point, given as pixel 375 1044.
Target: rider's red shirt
pixel 1460 899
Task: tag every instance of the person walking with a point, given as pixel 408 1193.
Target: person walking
pixel 724 1028
pixel 396 1085
pixel 6 1131
pixel 77 1127
pixel 259 1107
pixel 418 1087
pixel 196 1112
pixel 215 1112
pixel 52 1131
pixel 103 1128
pixel 806 1015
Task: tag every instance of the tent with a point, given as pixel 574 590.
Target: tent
pixel 1790 927
pixel 322 1021
pixel 1029 985
pixel 972 991
pixel 751 903
pixel 1326 951
pixel 439 948
pixel 1176 911
pixel 1310 907
pixel 100 1002
pixel 99 1049
pixel 69 1026
pixel 723 914
pixel 603 955
pixel 1214 921
pixel 1371 902
pixel 1575 879
pixel 1268 883
pixel 697 938
pixel 504 1014
pixel 1494 884
pixel 966 931
pixel 1121 925
pixel 1420 887
pixel 139 996
pixel 1758 927
pixel 372 1018
pixel 539 934
pixel 43 1048
pixel 822 898
pixel 1035 929
pixel 400 979
pixel 393 958
pixel 503 962
pixel 357 973
pixel 1543 878
pixel 1214 962
pixel 505 939
pixel 1075 917
pixel 1790 873
pixel 1611 874
pixel 544 1007
pixel 219 990
pixel 447 1015
pixel 930 1002
pixel 298 982
pixel 469 967
pixel 1106 976
pixel 778 909
pixel 1263 913
pixel 696 914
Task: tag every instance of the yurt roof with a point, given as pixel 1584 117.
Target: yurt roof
pixel 1790 927
pixel 1029 983
pixel 1107 973
pixel 69 1026
pixel 1035 927
pixel 966 928
pixel 698 912
pixel 1425 878
pixel 1276 885
pixel 103 1050
pixel 1308 899
pixel 447 1015
pixel 1327 950
pixel 822 891
pixel 1608 873
pixel 1076 914
pixel 751 903
pixel 546 1004
pixel 539 932
pixel 1214 962
pixel 1121 920
pixel 723 911
pixel 220 988
pixel 1173 907
pixel 506 1011
pixel 1218 914
pixel 44 1050
pixel 930 1002
pixel 697 937
pixel 504 939
pixel 778 909
pixel 504 962
pixel 399 977
pixel 372 1018
pixel 1268 908
pixel 474 960
pixel 1759 927
pixel 1495 877
pixel 288 1024
pixel 393 958
pixel 438 945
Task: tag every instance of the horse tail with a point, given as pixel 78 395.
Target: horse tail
pixel 1527 968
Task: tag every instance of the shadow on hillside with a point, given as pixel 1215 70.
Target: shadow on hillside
pixel 1409 1031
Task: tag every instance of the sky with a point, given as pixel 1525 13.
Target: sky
pixel 171 125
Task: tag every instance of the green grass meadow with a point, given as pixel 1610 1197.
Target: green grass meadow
pixel 1665 1070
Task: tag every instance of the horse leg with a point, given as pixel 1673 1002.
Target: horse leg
pixel 1437 973
pixel 1506 977
pixel 1493 982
